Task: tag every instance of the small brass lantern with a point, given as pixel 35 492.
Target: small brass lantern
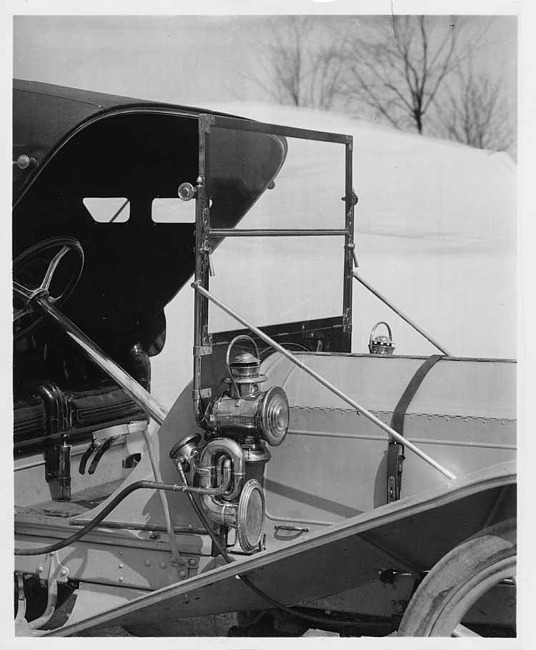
pixel 381 344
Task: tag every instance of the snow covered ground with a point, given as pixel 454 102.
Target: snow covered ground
pixel 435 232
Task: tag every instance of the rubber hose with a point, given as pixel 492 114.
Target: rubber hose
pixel 97 520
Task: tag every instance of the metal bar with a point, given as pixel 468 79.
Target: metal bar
pixel 402 315
pixel 52 596
pixel 110 367
pixel 349 246
pixel 241 124
pixel 202 224
pixel 131 387
pixel 394 434
pixel 119 211
pixel 21 610
pixel 179 530
pixel 292 529
pixel 175 553
pixel 252 232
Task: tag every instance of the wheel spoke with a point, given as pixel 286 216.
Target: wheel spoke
pixel 52 267
pixel 462 630
pixel 22 291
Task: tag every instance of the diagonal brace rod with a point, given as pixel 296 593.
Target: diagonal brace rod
pixel 360 409
pixel 402 315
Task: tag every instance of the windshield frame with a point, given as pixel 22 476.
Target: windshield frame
pixel 207 237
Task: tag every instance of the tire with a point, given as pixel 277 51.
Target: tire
pixel 459 580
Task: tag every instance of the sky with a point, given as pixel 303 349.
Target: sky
pixel 187 59
pixel 177 58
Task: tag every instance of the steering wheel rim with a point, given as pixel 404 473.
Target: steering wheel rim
pixel 26 294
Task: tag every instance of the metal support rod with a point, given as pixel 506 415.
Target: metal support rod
pixel 110 367
pixel 402 315
pixel 52 593
pixel 239 124
pixel 394 434
pixel 131 387
pixel 21 610
pixel 202 269
pixel 237 232
pixel 127 525
pixel 175 553
pixel 349 246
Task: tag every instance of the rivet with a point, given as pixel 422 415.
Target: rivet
pixel 63 571
pixel 191 561
pixel 40 569
pixel 121 565
pixel 121 578
pixel 182 574
pixel 147 562
pixel 120 552
pixel 162 565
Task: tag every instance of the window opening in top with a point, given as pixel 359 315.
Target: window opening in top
pixel 108 209
pixel 173 210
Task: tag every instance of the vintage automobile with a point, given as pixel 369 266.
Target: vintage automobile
pixel 294 483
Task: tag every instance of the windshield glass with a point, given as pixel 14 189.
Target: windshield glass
pixel 273 279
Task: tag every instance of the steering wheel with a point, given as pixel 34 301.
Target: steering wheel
pixel 42 271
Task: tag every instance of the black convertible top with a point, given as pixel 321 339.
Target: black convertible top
pixel 73 145
pixel 45 114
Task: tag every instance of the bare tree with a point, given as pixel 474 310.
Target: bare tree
pixel 397 68
pixel 301 67
pixel 413 71
pixel 475 112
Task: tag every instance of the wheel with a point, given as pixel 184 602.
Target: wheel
pixel 37 272
pixel 466 575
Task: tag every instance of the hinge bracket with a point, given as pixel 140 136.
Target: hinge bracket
pixel 202 350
